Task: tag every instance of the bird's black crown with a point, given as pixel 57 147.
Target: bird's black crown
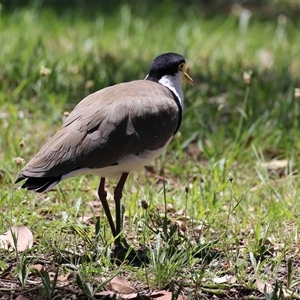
pixel 165 64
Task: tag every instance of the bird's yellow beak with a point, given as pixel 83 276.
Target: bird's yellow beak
pixel 187 77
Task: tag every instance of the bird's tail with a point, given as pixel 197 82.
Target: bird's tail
pixel 39 184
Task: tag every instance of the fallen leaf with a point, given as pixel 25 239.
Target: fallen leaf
pixel 21 297
pixel 267 246
pixel 131 296
pixel 105 293
pixel 279 167
pixel 120 285
pixel 87 219
pixel 180 213
pixel 223 279
pixel 269 289
pixel 274 164
pixel 232 280
pixel 64 277
pixel 38 267
pixel 22 235
pixel 181 225
pixel 156 294
pixel 159 295
pixel 165 295
pixel 264 287
pixel 94 203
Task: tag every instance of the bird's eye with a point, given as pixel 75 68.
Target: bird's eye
pixel 181 67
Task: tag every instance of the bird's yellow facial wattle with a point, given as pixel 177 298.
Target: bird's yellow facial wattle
pixel 186 77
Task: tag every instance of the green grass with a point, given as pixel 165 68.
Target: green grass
pixel 220 211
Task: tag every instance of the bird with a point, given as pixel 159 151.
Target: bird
pixel 112 132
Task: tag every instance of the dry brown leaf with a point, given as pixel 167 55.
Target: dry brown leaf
pixel 38 267
pixel 21 297
pixel 268 246
pixel 233 280
pixel 165 295
pixel 157 295
pixel 169 208
pixel 268 288
pixel 94 203
pixel 86 219
pixel 180 213
pixel 181 225
pixel 121 286
pixel 131 296
pixel 63 277
pixel 264 287
pixel 22 234
pixel 274 164
pixel 279 167
pixel 105 293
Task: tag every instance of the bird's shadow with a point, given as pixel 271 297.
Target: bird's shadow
pixel 125 253
pixel 118 254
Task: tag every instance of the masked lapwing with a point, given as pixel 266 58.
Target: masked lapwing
pixel 113 132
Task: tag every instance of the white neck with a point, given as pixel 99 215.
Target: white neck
pixel 174 84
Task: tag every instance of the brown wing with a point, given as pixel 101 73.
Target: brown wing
pixel 106 126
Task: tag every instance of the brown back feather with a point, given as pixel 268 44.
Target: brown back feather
pixel 106 126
